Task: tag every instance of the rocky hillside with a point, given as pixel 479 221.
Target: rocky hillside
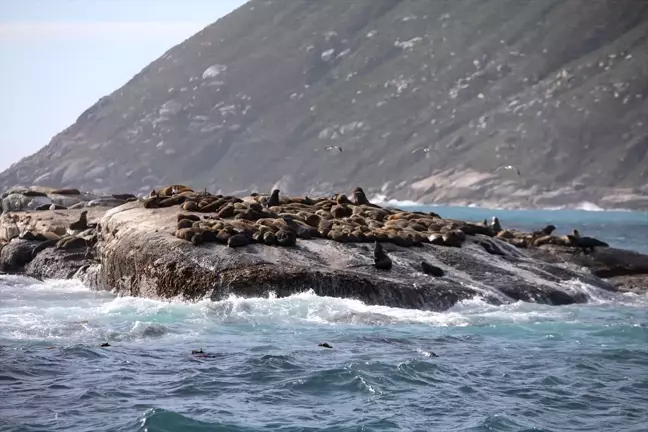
pixel 557 88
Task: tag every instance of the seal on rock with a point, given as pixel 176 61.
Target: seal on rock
pixel 66 192
pixel 274 199
pixel 80 224
pixel 286 238
pixel 431 270
pixel 238 240
pixel 454 238
pixel 359 197
pixel 546 231
pixel 495 225
pixel 71 242
pixel 193 218
pixel 381 259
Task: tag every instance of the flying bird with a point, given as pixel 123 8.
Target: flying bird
pixel 509 167
pixel 425 150
pixel 334 148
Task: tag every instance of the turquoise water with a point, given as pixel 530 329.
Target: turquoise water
pixel 477 367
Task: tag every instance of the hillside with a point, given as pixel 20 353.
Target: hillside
pixel 557 88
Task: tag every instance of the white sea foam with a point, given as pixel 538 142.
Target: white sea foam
pixel 53 310
pixel 384 200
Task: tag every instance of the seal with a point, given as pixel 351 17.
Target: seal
pixel 44 245
pixel 80 224
pixel 341 211
pixel 190 206
pixel 187 233
pixel 174 190
pixel 193 218
pixel 286 238
pixel 454 238
pixel 342 199
pixel 546 231
pixel 125 197
pixel 381 259
pixel 238 240
pixel 431 270
pixel 197 239
pixel 325 345
pixel 273 201
pixel 66 192
pixel 269 238
pixel 71 242
pixel 473 229
pixel 184 223
pixel 495 225
pixel 359 197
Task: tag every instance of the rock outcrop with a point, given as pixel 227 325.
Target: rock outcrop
pixel 556 88
pixel 136 249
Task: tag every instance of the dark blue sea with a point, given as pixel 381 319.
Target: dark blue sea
pixel 476 367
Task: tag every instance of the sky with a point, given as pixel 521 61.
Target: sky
pixel 58 57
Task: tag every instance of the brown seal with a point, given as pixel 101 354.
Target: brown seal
pixel 191 217
pixel 80 224
pixel 341 211
pixel 190 206
pixel 184 223
pixel 71 242
pixel 342 199
pixel 359 197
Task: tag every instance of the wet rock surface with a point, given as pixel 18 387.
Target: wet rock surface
pixel 138 249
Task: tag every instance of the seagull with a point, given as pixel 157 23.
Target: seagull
pixel 329 148
pixel 509 167
pixel 424 150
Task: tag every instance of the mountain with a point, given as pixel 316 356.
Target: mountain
pixel 557 89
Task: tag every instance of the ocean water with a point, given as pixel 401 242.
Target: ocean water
pixel 476 367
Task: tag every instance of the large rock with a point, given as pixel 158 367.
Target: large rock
pixel 16 254
pixel 137 254
pixel 255 98
pixel 141 257
pixel 58 264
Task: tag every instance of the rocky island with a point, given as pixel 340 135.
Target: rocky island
pixel 180 243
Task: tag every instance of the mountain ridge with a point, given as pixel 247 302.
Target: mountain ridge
pixel 557 89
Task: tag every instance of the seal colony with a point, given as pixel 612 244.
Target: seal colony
pixel 276 220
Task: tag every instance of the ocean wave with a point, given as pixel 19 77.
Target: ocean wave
pixel 585 206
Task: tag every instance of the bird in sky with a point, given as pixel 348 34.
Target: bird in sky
pixel 334 148
pixel 509 167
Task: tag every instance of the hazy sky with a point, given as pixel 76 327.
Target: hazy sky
pixel 58 57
